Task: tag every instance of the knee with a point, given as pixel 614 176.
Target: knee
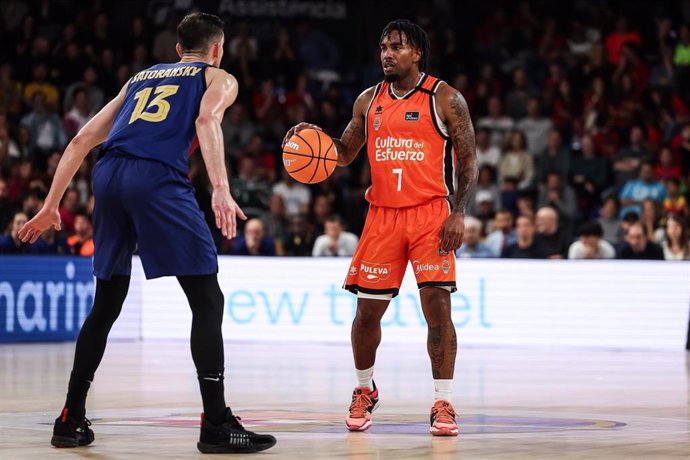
pixel 436 306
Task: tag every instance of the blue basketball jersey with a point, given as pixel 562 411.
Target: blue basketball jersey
pixel 157 118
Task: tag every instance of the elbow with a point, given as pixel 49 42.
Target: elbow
pixel 205 120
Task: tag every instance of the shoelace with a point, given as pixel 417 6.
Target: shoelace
pixel 444 414
pixel 359 405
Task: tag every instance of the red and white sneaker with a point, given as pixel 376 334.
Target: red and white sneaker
pixel 443 419
pixel 364 402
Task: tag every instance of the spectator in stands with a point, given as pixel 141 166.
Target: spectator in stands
pixel 591 245
pixel 81 243
pixel 553 237
pixel 68 209
pixel 650 219
pixel 300 241
pixel 487 154
pixel 165 41
pixel 681 62
pixel 32 202
pixel 503 234
pixel 517 99
pixel 472 247
pixel 589 176
pixel 637 246
pixel 667 167
pixel 6 206
pixel 335 241
pixel 536 126
pixel 498 124
pixel 554 158
pixel 609 221
pixel 618 38
pixel 89 82
pixel 11 244
pixel 50 243
pixel 79 114
pixel 238 129
pixel 675 202
pixel 296 196
pixel 45 128
pixel 676 244
pixel 629 160
pixel 40 84
pixel 560 196
pixel 526 246
pixel 485 211
pixel 10 91
pixel 254 242
pixel 517 163
pixel 526 201
pixel 635 191
pixel 276 222
pixel 251 191
pixel 320 211
pixel 486 183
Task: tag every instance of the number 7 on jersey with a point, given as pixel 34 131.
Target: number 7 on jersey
pixel 398 171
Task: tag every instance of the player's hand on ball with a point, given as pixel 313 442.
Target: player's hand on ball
pixel 452 231
pixel 41 222
pixel 297 128
pixel 226 211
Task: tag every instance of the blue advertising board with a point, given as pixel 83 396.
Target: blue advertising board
pixel 44 299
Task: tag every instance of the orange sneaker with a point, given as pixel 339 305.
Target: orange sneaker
pixel 364 402
pixel 443 419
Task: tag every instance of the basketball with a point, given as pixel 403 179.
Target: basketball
pixel 310 156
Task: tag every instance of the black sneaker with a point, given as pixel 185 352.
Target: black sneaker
pixel 231 437
pixel 70 432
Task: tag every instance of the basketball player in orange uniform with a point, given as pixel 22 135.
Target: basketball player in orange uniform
pixel 420 143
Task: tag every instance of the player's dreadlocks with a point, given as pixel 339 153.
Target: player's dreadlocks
pixel 416 37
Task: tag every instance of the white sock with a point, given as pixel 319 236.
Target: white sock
pixel 443 389
pixel 365 378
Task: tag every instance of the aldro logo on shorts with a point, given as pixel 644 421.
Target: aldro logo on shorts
pixel 373 272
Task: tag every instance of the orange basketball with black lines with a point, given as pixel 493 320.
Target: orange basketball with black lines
pixel 310 156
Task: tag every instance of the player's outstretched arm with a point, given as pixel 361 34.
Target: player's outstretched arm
pixel 221 92
pixel 354 136
pixel 92 134
pixel 456 115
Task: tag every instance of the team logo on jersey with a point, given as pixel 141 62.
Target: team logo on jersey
pixel 411 116
pixel 420 267
pixel 445 266
pixel 374 272
pixel 377 123
pixel 379 110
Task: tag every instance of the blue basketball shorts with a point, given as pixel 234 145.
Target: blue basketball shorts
pixel 147 206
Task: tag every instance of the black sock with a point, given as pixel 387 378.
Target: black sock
pixel 206 301
pixel 76 395
pixel 213 397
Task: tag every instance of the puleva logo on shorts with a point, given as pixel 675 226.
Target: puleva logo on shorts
pixel 420 267
pixel 374 272
pixel 292 145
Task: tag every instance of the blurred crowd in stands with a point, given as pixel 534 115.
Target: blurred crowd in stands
pixel 582 123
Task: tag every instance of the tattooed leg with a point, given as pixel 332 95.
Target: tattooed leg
pixel 442 342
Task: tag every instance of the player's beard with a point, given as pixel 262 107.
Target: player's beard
pixel 391 77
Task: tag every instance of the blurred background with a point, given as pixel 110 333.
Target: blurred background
pixel 581 112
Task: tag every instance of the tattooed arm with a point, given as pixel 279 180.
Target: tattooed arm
pixel 353 138
pixel 456 115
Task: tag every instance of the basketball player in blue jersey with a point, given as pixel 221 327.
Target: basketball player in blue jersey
pixel 145 201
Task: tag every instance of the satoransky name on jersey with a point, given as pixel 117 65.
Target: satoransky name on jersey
pixel 184 71
pixel 396 149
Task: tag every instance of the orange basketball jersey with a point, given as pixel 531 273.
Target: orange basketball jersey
pixel 409 150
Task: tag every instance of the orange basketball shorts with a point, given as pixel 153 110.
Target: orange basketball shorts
pixel 391 238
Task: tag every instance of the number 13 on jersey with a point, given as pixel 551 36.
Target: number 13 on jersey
pixel 159 103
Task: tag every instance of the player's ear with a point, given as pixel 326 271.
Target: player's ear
pixel 178 48
pixel 417 56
